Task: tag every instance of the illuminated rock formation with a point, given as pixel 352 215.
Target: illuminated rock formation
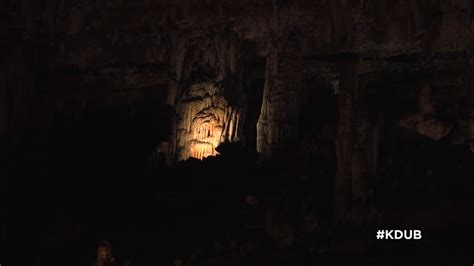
pixel 104 255
pixel 425 122
pixel 205 121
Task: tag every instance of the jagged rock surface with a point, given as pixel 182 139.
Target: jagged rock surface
pixel 186 68
pixel 425 121
pixel 205 120
pixel 104 255
pixel 277 126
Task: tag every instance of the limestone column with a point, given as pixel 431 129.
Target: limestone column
pixel 277 127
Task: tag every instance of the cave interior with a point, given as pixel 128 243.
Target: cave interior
pixel 252 132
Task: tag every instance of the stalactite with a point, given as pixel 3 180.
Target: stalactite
pixel 206 121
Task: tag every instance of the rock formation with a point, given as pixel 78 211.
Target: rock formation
pixel 277 127
pixel 104 255
pixel 192 75
pixel 205 121
pixel 364 105
pixel 425 122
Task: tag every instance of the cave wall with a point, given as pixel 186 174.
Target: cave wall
pixel 277 127
pixel 389 64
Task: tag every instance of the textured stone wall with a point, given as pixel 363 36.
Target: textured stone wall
pixel 277 127
pixel 205 120
pixel 187 38
pixel 191 60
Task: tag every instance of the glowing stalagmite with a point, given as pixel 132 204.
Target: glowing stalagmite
pixel 205 121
